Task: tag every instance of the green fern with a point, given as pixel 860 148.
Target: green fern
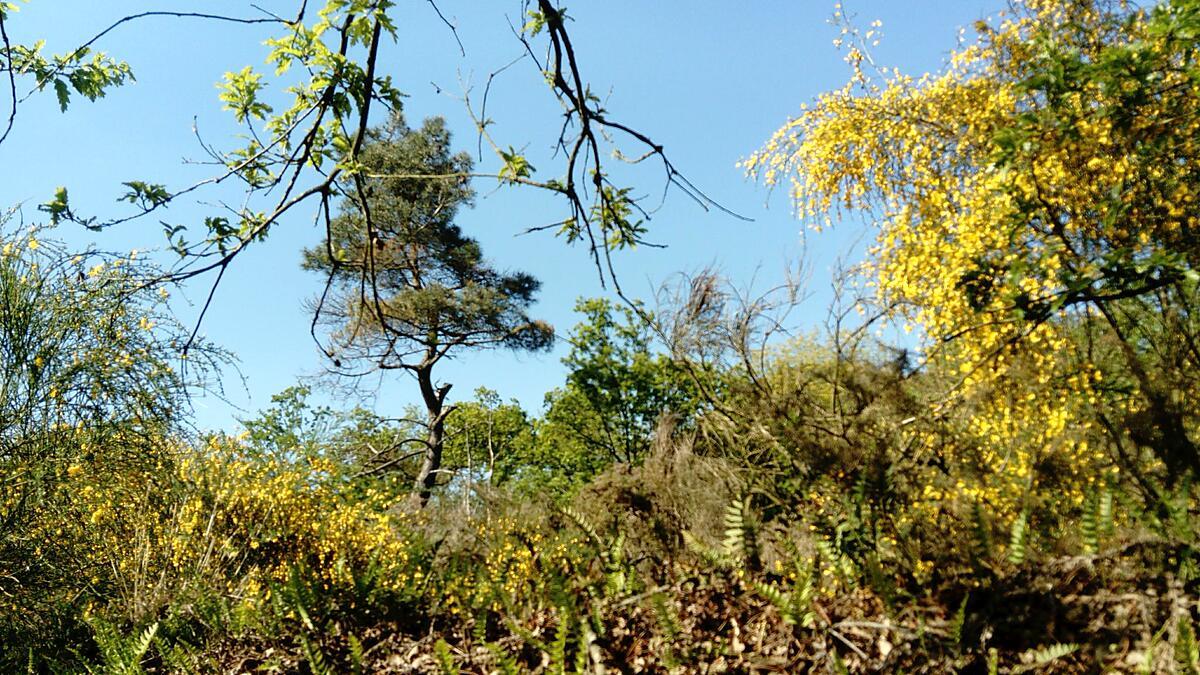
pixel 584 525
pixel 794 606
pixel 1017 541
pixel 776 597
pixel 1187 651
pixel 121 655
pixel 839 562
pixel 958 621
pixel 736 532
pixel 504 661
pixel 993 661
pixel 1096 523
pixel 586 638
pixel 612 553
pixel 479 625
pixel 315 657
pixel 357 653
pixel 445 660
pixel 738 543
pixel 981 540
pixel 1089 525
pixel 715 558
pixel 668 623
pixel 1148 662
pixel 1106 524
pixel 558 647
pixel 665 615
pixel 616 572
pixel 1038 659
pixel 584 655
pixel 177 657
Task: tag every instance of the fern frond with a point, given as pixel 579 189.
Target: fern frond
pixel 1017 539
pixel 712 557
pixel 582 651
pixel 981 540
pixel 1148 661
pixel 504 661
pixel 1089 527
pixel 616 577
pixel 735 529
pixel 558 647
pixel 315 657
pixel 1104 509
pixel 445 660
pixel 138 649
pixel 782 601
pixel 1187 651
pixel 357 653
pixel 584 525
pixel 958 621
pixel 841 563
pixel 298 598
pixel 1037 659
pixel 665 615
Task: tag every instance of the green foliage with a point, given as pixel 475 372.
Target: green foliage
pixel 291 430
pixel 794 606
pixel 1036 660
pixel 82 71
pixel 1018 539
pixel 489 439
pixel 1187 650
pixel 738 535
pixel 145 195
pixel 405 287
pixel 981 531
pixel 445 659
pixel 239 93
pixel 618 390
pixel 1096 521
pixel 958 621
pixel 506 663
pixel 120 654
pixel 436 291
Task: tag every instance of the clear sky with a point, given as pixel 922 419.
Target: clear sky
pixel 709 80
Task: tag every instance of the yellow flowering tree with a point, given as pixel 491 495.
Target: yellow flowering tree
pixel 1035 208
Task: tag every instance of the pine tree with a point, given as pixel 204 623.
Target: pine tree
pixel 406 287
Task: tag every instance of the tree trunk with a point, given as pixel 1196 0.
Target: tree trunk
pixel 435 435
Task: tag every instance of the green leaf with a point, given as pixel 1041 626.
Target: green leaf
pixel 535 24
pixel 64 94
pixel 58 208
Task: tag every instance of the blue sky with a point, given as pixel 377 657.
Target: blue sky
pixel 708 80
